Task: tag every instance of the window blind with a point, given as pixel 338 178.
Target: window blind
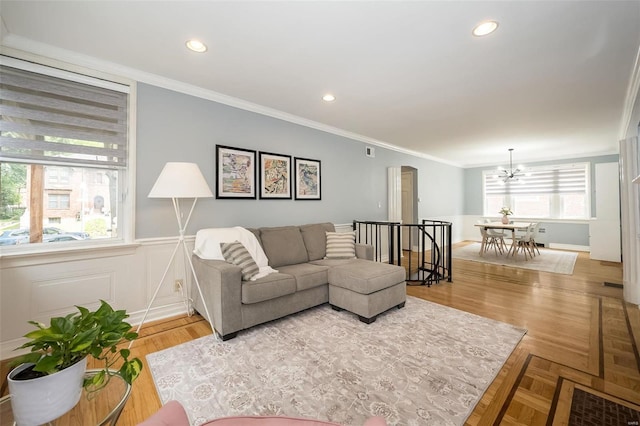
pixel 51 120
pixel 566 179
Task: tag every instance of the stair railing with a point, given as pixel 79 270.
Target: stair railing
pixel 429 242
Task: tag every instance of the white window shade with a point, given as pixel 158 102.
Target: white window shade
pixel 554 191
pixel 49 120
pixel 552 180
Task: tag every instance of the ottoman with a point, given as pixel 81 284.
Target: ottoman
pixel 367 288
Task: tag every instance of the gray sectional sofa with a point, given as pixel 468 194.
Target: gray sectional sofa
pixel 304 279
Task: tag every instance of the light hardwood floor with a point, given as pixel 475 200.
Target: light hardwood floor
pixel 580 332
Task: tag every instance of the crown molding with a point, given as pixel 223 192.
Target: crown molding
pixel 575 158
pixel 73 58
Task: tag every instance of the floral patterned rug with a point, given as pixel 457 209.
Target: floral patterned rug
pixel 423 364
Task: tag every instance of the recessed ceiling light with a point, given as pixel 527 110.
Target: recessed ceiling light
pixel 328 97
pixel 196 46
pixel 484 28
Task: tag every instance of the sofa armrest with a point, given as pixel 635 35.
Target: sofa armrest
pixel 364 251
pixel 221 285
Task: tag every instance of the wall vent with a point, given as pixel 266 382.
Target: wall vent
pixel 370 151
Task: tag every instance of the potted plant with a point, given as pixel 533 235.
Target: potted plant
pixel 59 352
pixel 505 212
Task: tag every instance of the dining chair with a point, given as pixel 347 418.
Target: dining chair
pixel 488 241
pixel 523 244
pixel 533 237
pixel 498 236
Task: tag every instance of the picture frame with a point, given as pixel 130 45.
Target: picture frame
pixel 308 179
pixel 236 173
pixel 275 176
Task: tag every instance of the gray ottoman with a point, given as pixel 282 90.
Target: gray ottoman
pixel 367 288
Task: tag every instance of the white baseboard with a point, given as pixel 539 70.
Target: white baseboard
pixel 155 314
pixel 7 349
pixel 572 247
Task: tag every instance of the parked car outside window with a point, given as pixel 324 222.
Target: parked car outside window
pixel 49 234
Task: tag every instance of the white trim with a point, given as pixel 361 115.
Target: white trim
pixel 343 227
pixel 542 219
pixel 61 73
pixel 633 89
pixel 7 348
pixel 47 59
pixel 74 252
pixel 26 45
pixel 127 185
pixel 551 157
pixel 572 247
pixel 128 189
pixel 124 274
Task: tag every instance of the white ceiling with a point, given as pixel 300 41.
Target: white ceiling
pixel 551 82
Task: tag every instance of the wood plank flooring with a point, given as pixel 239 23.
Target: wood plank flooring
pixel 580 334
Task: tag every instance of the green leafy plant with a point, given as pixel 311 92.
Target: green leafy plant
pixel 69 339
pixel 505 211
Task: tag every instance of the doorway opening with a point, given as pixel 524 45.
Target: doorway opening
pixel 409 203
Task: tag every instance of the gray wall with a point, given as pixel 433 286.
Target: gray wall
pixel 560 233
pixel 175 127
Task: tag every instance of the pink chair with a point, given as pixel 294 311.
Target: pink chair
pixel 173 414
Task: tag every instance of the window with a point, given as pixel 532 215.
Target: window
pixel 63 153
pixel 57 176
pixel 59 201
pixel 554 192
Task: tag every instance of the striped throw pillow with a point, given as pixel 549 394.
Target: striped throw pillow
pixel 237 254
pixel 341 245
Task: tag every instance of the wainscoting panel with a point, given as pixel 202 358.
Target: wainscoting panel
pixel 33 287
pixel 50 298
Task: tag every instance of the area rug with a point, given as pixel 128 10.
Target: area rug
pixel 423 364
pixel 559 262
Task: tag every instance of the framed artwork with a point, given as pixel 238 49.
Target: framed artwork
pixel 308 179
pixel 275 176
pixel 236 172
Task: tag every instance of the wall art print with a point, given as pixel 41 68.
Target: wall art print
pixel 275 176
pixel 236 170
pixel 308 179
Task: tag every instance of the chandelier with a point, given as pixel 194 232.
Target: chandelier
pixel 511 174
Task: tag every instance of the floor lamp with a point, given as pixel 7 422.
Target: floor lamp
pixel 176 181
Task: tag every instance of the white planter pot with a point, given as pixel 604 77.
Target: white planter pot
pixel 41 400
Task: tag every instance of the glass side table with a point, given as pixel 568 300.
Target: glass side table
pixel 98 408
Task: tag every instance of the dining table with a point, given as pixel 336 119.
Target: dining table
pixel 512 226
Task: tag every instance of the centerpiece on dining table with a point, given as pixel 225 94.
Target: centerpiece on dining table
pixel 505 212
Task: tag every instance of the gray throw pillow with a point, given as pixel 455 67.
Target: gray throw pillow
pixel 237 254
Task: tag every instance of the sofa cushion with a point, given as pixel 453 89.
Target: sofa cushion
pixel 365 276
pixel 315 239
pixel 341 245
pixel 283 246
pixel 267 288
pixel 331 262
pixel 237 254
pixel 307 275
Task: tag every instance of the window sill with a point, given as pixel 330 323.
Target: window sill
pixel 541 219
pixel 39 255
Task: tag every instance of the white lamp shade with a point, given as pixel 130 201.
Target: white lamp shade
pixel 180 180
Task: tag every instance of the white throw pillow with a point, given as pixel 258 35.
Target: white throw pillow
pixel 341 245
